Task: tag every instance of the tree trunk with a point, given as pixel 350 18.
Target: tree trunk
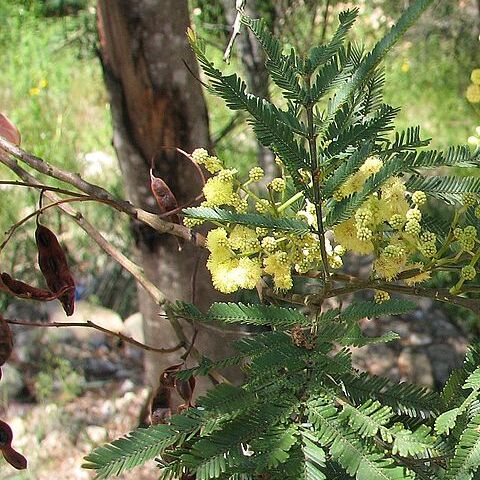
pixel 253 59
pixel 157 105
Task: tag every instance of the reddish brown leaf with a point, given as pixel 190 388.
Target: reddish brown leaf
pixel 54 266
pixel 6 341
pixel 14 458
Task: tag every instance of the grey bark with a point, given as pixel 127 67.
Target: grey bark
pixel 156 105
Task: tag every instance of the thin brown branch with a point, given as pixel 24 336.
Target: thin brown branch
pixel 41 166
pixel 90 324
pixel 15 226
pixel 214 375
pixel 124 261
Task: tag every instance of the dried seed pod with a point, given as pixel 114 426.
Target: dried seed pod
pixel 6 342
pixel 167 377
pixel 24 290
pixel 185 389
pixel 14 458
pixel 54 266
pixel 166 200
pixel 163 195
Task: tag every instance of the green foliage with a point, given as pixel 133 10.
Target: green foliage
pixel 304 412
pixel 224 216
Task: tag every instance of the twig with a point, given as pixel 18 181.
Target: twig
pixel 90 324
pixel 240 4
pixel 124 261
pixel 192 343
pixel 325 21
pixel 41 166
pixel 15 226
pixel 214 375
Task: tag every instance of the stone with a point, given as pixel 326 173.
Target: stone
pixel 133 327
pixel 85 311
pixel 96 433
pixel 414 367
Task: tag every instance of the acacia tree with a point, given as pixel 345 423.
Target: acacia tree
pixel 156 105
pixel 305 412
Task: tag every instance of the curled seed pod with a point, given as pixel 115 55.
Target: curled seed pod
pixel 6 341
pixel 14 458
pixel 185 389
pixel 54 266
pixel 24 290
pixel 166 200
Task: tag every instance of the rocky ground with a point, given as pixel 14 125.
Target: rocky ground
pixel 59 411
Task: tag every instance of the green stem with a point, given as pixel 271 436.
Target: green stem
pixel 312 143
pixel 289 202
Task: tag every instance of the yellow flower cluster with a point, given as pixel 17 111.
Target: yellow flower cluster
pixel 388 224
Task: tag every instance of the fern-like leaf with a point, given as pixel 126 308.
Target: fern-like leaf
pixel 323 53
pixel 265 315
pixel 449 189
pixel 251 219
pixel 281 68
pixel 467 453
pixel 134 449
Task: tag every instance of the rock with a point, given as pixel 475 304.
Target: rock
pixel 133 327
pixel 96 433
pixel 12 383
pixel 100 368
pixel 84 312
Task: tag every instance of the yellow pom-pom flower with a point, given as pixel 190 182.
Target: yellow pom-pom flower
pixel 244 239
pixel 346 234
pixel 218 192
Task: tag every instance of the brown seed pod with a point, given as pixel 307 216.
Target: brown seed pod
pixel 166 200
pixel 24 290
pixel 185 389
pixel 14 458
pixel 163 195
pixel 167 377
pixel 54 266
pixel 6 341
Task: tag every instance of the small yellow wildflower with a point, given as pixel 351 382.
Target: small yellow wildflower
pixel 405 66
pixel 34 91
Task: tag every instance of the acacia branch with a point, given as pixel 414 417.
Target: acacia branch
pixel 93 233
pixel 151 219
pixel 90 324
